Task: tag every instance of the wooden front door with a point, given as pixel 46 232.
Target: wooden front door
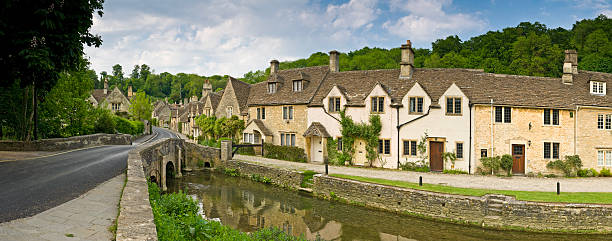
pixel 518 159
pixel 435 156
pixel 316 146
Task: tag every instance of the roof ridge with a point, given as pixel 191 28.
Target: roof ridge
pixel 303 68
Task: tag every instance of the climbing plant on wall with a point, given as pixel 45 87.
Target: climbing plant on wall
pixel 369 132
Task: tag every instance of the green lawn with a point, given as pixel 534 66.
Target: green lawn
pixel 567 197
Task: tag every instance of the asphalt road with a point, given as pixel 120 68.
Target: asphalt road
pixel 28 187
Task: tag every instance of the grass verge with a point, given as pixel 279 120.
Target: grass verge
pixel 113 227
pixel 567 197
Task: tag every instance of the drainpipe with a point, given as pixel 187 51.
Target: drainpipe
pixel 576 131
pixel 492 135
pixel 398 138
pixel 470 149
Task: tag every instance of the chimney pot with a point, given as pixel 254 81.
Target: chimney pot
pixel 570 66
pixel 274 66
pixel 334 61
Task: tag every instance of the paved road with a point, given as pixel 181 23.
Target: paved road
pixel 29 187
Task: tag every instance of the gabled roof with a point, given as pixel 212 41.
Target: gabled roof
pixel 215 98
pixel 316 129
pixel 478 86
pixel 261 126
pixel 99 95
pixel 311 77
pixel 241 90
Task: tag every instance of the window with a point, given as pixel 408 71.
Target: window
pixel 384 146
pixel 116 106
pixel 229 111
pixel 604 158
pixel 245 137
pixel 271 88
pixel 207 111
pixel 261 113
pixel 600 121
pixel 601 124
pixel 297 85
pixel 551 115
pixel 483 152
pixel 378 104
pixel 453 105
pixel 608 120
pixel 503 114
pixel 410 148
pixel 287 139
pixel 551 150
pixel 416 105
pixel 598 88
pixel 334 104
pixel 339 143
pixel 287 112
pixel 459 150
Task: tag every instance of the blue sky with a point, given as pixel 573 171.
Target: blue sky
pixel 235 36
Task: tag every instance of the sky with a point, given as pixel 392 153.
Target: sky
pixel 208 37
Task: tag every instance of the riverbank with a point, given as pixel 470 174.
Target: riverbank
pixel 490 211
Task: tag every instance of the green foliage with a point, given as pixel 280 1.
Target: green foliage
pixel 449 156
pixel 367 132
pixel 570 165
pixel 105 122
pixel 413 166
pixel 605 172
pixel 591 172
pixel 141 107
pixel 490 165
pixel 506 163
pixel 176 218
pixel 214 128
pixel 447 171
pixel 335 157
pixel 261 178
pixel 232 172
pixel 307 179
pixel 287 153
pixel 126 126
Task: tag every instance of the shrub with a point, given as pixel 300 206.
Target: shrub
pixel 412 166
pixel 249 150
pixel 452 171
pixel 491 165
pixel 550 175
pixel 588 172
pixel 126 126
pixel 232 172
pixel 307 178
pixel 605 172
pixel 570 165
pixel 104 122
pixel 506 163
pixel 287 153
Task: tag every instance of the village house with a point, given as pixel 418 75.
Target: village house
pixel 467 112
pixel 113 100
pixel 277 107
pixel 234 100
pixel 161 112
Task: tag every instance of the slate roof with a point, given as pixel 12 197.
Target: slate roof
pixel 215 98
pixel 99 95
pixel 261 126
pixel 311 77
pixel 241 90
pixel 478 86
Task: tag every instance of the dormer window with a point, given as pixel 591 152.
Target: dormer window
pixel 271 88
pixel 297 85
pixel 598 88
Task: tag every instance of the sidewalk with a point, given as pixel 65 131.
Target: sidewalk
pixel 517 183
pixel 87 217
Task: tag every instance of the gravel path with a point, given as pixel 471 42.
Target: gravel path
pixel 519 183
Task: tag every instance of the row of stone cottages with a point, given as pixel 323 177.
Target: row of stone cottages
pixel 465 111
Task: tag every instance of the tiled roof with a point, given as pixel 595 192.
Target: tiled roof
pixel 478 86
pixel 316 129
pixel 311 76
pixel 260 125
pixel 215 98
pixel 99 95
pixel 241 90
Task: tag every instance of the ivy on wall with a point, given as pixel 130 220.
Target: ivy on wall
pixel 369 132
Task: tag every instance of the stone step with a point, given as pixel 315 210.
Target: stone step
pixel 303 189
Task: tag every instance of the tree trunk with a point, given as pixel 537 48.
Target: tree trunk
pixel 35 106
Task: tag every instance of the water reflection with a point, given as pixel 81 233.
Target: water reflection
pixel 248 206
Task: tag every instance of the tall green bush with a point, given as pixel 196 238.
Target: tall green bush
pixel 570 165
pixel 506 163
pixel 105 123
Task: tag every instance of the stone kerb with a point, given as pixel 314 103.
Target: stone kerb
pixel 496 211
pixel 62 144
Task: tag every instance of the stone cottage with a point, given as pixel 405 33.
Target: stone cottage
pixel 113 100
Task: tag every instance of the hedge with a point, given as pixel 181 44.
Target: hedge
pixel 126 126
pixel 287 153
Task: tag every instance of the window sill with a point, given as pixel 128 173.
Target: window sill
pixel 415 113
pixel 452 114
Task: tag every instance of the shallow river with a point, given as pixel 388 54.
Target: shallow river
pixel 248 206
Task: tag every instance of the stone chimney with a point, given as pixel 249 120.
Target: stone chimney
pixel 407 63
pixel 206 88
pixel 106 85
pixel 130 93
pixel 273 67
pixel 570 66
pixel 334 61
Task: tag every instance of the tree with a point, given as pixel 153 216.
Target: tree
pixel 39 40
pixel 141 107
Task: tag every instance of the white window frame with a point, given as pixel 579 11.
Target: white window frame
pixel 298 85
pixel 604 158
pixel 598 88
pixel 229 111
pixel 271 88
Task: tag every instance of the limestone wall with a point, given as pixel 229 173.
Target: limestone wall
pixel 280 177
pixel 276 124
pixel 62 144
pixel 589 139
pixel 490 210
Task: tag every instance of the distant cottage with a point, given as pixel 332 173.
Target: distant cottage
pixel 113 100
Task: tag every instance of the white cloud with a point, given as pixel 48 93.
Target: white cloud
pixel 427 20
pixel 225 37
